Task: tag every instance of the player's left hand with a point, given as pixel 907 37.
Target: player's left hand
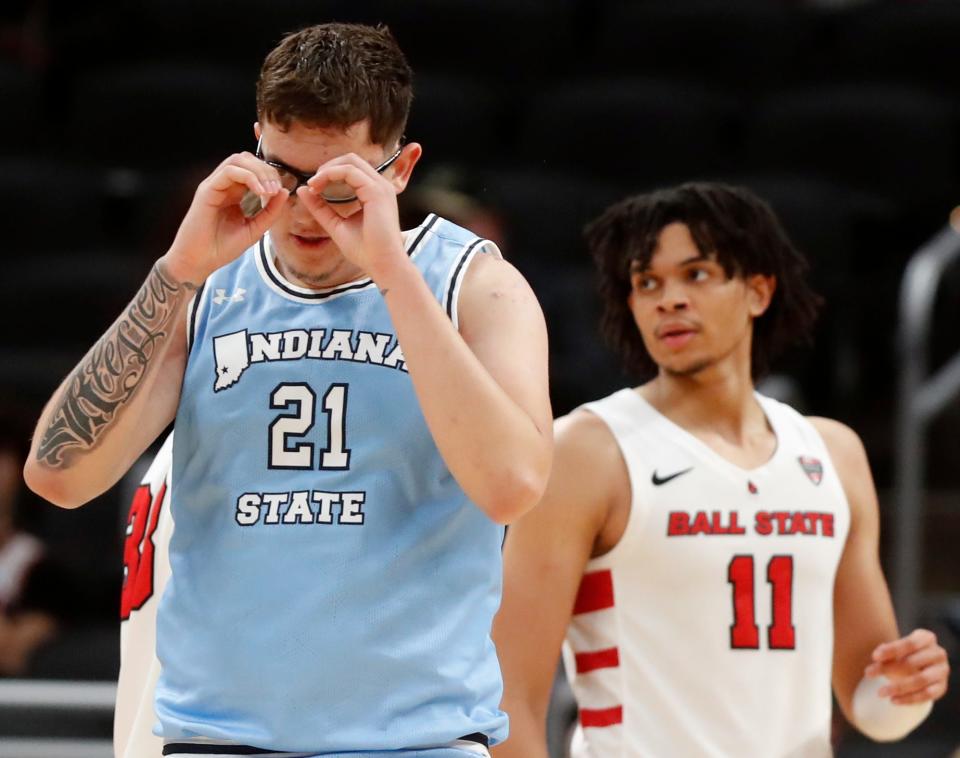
pixel 916 666
pixel 371 239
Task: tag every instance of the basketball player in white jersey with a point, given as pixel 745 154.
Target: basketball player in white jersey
pixel 146 568
pixel 707 556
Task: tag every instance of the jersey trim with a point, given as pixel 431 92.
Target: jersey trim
pixel 269 271
pixel 229 749
pixel 608 658
pixel 191 748
pixel 595 592
pixel 192 317
pixel 601 717
pixel 456 279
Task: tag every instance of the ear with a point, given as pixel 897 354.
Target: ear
pixel 760 289
pixel 256 130
pixel 399 173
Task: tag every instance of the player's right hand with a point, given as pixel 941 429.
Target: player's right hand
pixel 215 230
pixel 916 665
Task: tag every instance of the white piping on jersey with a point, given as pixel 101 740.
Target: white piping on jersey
pixel 451 293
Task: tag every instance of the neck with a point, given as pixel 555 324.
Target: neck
pixel 717 399
pixel 329 270
pixel 319 278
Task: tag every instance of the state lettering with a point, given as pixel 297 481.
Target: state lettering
pixel 787 523
pixel 300 507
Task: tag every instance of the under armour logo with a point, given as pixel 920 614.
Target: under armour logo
pixel 222 296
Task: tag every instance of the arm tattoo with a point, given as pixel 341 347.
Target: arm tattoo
pixel 108 376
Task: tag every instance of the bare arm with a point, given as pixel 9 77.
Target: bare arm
pixel 864 622
pixel 544 559
pixel 116 401
pixel 483 390
pixel 126 389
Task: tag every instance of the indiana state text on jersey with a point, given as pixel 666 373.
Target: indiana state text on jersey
pixel 235 352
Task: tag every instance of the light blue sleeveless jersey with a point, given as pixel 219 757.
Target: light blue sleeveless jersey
pixel 332 586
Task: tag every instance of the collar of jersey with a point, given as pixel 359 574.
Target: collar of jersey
pixel 703 451
pixel 267 266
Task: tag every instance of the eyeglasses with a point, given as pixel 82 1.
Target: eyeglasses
pixel 335 192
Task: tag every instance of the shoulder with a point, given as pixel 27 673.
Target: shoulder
pixel 586 435
pixel 485 268
pixel 494 290
pixel 587 476
pixel 849 457
pixel 489 270
pixel 844 445
pixel 587 459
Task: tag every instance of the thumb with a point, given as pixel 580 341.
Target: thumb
pixel 268 216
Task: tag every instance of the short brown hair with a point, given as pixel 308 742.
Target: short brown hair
pixel 335 75
pixel 728 223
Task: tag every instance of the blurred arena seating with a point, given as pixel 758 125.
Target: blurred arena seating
pixel 846 119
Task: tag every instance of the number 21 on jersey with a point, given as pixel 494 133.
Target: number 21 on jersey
pixel 744 632
pixel 302 400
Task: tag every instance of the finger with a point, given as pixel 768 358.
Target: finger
pixel 269 176
pixel 328 218
pixel 933 692
pixel 364 186
pixel 231 177
pixel 925 657
pixel 892 669
pixel 270 213
pixel 904 646
pixel 266 175
pixel 932 676
pixel 351 159
pixel 350 173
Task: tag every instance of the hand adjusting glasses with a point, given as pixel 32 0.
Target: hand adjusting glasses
pixel 335 192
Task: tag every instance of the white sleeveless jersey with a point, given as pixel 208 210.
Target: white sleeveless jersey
pixel 708 630
pixel 146 567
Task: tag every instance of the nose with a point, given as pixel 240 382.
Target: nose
pixel 673 297
pixel 297 209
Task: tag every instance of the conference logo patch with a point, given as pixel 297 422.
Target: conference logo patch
pixel 812 468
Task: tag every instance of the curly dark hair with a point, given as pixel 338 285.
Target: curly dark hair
pixel 335 75
pixel 728 223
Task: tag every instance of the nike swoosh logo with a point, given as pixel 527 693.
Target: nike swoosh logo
pixel 658 480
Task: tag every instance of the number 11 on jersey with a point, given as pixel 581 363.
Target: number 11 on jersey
pixel 744 632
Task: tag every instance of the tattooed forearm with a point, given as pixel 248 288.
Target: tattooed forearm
pixel 108 376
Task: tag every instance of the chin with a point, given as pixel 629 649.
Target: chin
pixel 688 369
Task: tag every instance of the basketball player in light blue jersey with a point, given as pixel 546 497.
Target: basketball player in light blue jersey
pixel 358 409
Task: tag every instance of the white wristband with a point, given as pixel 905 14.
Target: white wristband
pixel 879 718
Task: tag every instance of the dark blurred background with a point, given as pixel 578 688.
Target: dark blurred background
pixel 534 115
